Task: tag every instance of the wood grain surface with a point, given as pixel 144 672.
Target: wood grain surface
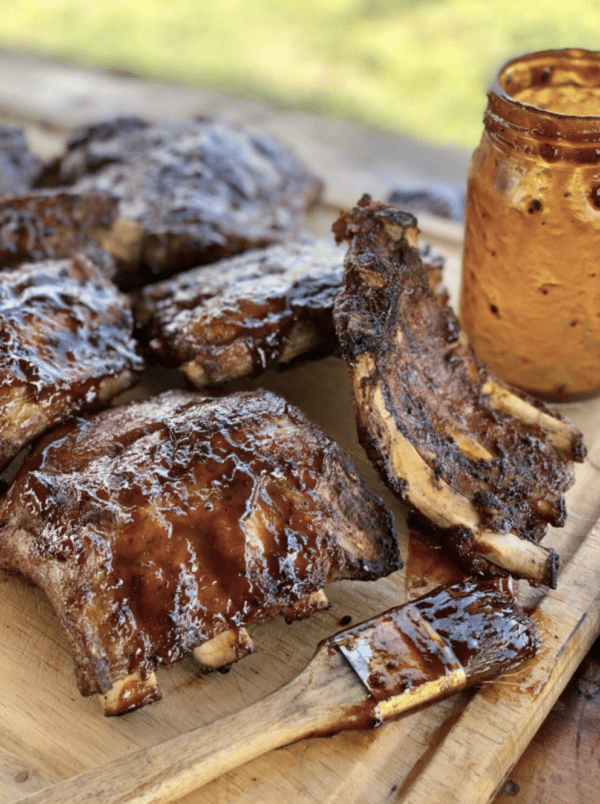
pixel 561 765
pixel 462 750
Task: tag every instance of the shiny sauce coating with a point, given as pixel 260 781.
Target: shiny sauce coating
pixel 66 346
pixel 173 519
pixel 482 623
pixel 62 322
pixel 46 225
pixel 257 303
pixel 197 190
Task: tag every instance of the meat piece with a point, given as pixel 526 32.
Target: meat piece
pixel 189 192
pixel 48 224
pixel 483 465
pixel 20 168
pixel 66 346
pixel 160 525
pixel 244 314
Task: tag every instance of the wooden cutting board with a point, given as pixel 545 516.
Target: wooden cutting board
pixel 460 750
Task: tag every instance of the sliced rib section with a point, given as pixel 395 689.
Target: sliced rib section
pixel 484 466
pixel 157 526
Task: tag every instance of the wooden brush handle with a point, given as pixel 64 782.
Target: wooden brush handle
pixel 316 702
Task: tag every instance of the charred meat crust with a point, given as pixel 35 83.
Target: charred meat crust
pixel 420 388
pixel 66 346
pixel 155 526
pixel 244 314
pixel 189 192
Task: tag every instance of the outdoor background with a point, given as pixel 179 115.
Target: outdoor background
pixel 418 67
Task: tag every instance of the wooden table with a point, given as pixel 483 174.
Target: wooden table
pixel 463 750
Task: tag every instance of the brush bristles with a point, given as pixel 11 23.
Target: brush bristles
pixel 483 624
pixel 503 651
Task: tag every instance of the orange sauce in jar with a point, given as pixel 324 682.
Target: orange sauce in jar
pixel 531 265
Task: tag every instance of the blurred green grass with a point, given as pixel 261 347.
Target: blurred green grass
pixel 418 67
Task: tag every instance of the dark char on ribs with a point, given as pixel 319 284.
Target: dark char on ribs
pixel 242 315
pixel 483 465
pixel 54 224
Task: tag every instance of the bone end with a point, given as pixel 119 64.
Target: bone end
pixel 302 338
pixel 195 373
pixel 232 361
pixel 223 649
pixel 530 560
pixel 123 240
pixel 563 434
pixel 316 601
pixel 129 693
pixel 111 386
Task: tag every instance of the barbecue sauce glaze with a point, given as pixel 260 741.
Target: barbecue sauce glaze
pixel 66 346
pixel 155 526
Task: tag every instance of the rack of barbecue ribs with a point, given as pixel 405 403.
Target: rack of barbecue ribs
pixel 242 315
pixel 166 526
pixel 484 466
pixel 66 346
pixel 189 192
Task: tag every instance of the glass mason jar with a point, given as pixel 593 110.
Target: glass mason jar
pixel 530 301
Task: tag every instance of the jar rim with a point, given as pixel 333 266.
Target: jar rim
pixel 533 130
pixel 541 68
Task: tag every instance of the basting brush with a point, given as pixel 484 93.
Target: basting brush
pixel 452 638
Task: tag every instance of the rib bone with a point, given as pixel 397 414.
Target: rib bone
pixel 223 649
pixel 563 434
pixel 442 505
pixel 316 601
pixel 129 693
pixel 520 556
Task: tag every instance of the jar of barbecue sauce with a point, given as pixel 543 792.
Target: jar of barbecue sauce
pixel 531 266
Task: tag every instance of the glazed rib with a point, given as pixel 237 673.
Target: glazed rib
pixel 484 466
pixel 66 346
pixel 189 192
pixel 167 526
pixel 244 314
